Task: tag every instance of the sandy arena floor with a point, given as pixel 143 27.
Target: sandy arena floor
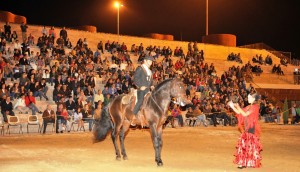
pixel 185 149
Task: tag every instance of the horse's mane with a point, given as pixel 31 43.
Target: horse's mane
pixel 161 84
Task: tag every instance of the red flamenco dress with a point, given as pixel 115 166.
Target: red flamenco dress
pixel 249 147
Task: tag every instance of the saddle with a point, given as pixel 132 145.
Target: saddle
pixel 127 99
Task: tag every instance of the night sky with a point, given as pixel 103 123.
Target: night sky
pixel 252 21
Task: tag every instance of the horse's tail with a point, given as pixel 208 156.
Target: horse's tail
pixel 102 126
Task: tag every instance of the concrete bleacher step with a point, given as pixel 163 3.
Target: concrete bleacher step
pixel 211 51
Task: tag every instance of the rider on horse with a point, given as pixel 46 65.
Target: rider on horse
pixel 143 80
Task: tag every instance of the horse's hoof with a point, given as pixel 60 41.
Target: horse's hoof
pixel 125 158
pixel 159 163
pixel 118 158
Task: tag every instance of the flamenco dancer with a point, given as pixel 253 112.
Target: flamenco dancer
pixel 248 147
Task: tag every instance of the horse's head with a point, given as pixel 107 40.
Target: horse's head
pixel 178 92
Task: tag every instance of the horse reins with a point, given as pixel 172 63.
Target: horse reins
pixel 156 103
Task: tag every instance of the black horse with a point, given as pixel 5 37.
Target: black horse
pixel 117 116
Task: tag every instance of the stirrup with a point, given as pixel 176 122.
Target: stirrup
pixel 137 120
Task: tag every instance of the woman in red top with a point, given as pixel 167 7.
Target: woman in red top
pixel 30 103
pixel 248 147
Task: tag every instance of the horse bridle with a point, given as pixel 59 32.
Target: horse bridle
pixel 151 95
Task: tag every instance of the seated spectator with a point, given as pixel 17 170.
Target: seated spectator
pixel 21 105
pixel 87 115
pixel 70 106
pixel 223 115
pixel 279 70
pixel 255 59
pixel 268 60
pixel 14 91
pixel 62 119
pixel 296 76
pixel 31 103
pixel 260 59
pixel 257 70
pixel 78 118
pixel 3 92
pixel 211 113
pixel 176 113
pixel 284 61
pixel 6 108
pixel 199 115
pixel 68 43
pixel 274 69
pixel 170 118
pixel 190 116
pixel 98 97
pixel 48 117
pixel 97 112
pixel 56 93
pixel 107 99
pixel 234 57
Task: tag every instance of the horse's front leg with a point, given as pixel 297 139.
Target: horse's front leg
pixel 114 136
pixel 123 131
pixel 157 143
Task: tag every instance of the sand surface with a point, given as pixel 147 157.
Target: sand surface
pixel 184 149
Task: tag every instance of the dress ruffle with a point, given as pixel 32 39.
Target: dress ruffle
pixel 248 151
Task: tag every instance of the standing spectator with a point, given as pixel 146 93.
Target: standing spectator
pixel 7 28
pixel 52 34
pixel 31 103
pixel 48 117
pixel 295 114
pixel 100 46
pixel 44 31
pixel 7 108
pixel 30 40
pixel 64 34
pixel 24 31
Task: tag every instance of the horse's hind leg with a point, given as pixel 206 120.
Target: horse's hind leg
pixel 122 136
pixel 157 143
pixel 114 136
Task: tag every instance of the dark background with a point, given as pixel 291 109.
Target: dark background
pixel 275 23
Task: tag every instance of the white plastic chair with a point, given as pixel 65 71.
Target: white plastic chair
pixel 33 120
pixel 13 121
